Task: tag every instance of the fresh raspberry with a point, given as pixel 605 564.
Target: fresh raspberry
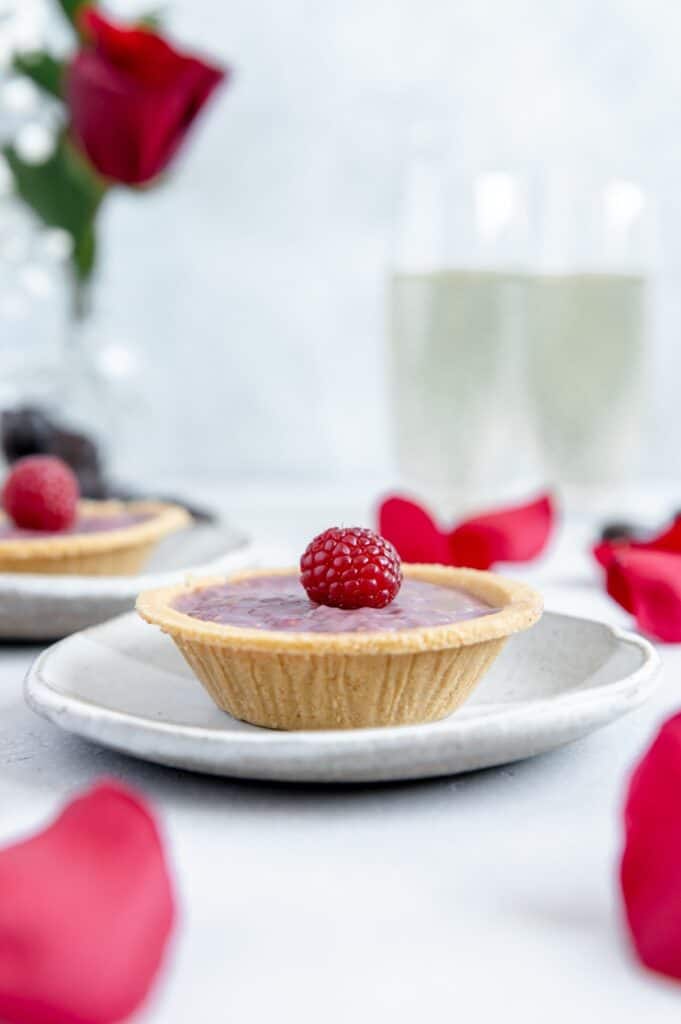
pixel 350 568
pixel 41 493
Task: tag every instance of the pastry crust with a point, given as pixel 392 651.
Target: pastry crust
pixel 304 680
pixel 116 552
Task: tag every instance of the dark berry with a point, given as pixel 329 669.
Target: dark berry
pixel 619 531
pixel 24 431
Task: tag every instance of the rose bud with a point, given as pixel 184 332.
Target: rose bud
pixel 132 98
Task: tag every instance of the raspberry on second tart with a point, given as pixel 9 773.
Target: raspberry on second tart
pixel 350 568
pixel 41 493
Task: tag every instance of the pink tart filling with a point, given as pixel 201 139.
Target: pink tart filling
pixel 88 524
pixel 279 603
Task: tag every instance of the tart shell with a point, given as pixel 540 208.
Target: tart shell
pixel 303 680
pixel 118 552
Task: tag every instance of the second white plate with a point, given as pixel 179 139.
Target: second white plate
pixel 48 607
pixel 124 685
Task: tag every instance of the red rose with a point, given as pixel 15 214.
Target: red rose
pixel 132 98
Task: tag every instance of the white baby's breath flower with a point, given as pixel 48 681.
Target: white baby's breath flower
pixel 35 143
pixel 19 95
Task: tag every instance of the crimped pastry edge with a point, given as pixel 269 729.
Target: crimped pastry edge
pixel 164 519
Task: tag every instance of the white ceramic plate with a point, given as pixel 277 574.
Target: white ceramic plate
pixel 124 685
pixel 48 607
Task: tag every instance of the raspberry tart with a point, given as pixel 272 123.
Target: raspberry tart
pixel 352 640
pixel 46 528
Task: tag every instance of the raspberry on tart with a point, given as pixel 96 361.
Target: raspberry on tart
pixel 41 493
pixel 351 567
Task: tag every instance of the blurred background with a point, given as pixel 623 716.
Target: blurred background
pixel 417 243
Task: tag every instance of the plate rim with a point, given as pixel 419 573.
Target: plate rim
pixel 41 586
pixel 69 712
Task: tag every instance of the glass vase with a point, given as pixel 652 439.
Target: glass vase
pixel 70 389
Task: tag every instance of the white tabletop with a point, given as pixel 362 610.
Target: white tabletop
pixel 489 897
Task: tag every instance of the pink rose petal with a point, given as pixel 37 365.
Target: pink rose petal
pixel 512 534
pixel 650 871
pixel 412 531
pixel 86 910
pixel 518 533
pixel 647 583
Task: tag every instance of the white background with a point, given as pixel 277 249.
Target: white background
pixel 253 282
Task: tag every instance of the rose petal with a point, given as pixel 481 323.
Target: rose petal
pixel 86 909
pixel 412 532
pixel 617 585
pixel 650 873
pixel 648 585
pixel 669 540
pixel 515 534
pixel 604 551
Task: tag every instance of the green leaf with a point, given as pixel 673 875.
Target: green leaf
pixel 64 193
pixel 43 69
pixel 151 21
pixel 72 7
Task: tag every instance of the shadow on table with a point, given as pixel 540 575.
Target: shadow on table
pixel 182 787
